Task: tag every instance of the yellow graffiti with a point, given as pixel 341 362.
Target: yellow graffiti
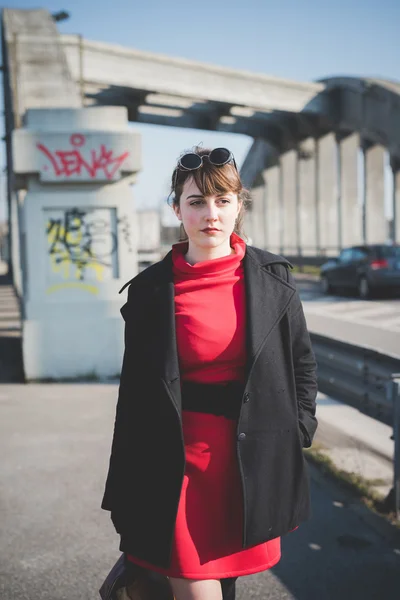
pixel 92 289
pixel 60 258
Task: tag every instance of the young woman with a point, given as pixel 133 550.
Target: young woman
pixel 216 399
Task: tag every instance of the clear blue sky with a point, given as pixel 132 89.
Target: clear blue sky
pixel 295 39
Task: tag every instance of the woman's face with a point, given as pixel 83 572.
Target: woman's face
pixel 210 220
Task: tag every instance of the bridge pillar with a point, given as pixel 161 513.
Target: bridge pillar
pixel 351 206
pixel 256 217
pixel 290 191
pixel 375 220
pixel 396 201
pixel 308 167
pixel 79 243
pixel 328 213
pixel 274 215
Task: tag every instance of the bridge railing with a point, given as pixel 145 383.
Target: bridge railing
pixel 367 380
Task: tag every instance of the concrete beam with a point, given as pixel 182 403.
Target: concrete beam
pixel 119 66
pixel 370 107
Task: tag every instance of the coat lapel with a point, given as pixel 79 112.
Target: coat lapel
pixel 166 353
pixel 267 299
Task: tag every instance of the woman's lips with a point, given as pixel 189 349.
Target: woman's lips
pixel 210 230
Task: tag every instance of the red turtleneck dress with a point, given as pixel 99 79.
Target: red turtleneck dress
pixel 210 326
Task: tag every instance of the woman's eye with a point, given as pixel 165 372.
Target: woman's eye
pixel 196 203
pixel 224 200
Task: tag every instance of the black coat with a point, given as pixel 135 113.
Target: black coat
pixel 277 416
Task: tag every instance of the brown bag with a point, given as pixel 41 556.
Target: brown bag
pixel 129 582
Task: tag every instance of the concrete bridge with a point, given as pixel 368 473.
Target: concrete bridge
pixel 326 156
pixel 324 169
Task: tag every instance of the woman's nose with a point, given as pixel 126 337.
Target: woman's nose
pixel 211 213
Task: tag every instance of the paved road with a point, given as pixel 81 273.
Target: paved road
pixel 374 323
pixel 56 543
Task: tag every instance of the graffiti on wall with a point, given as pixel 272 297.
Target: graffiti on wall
pixel 82 244
pixel 125 229
pixel 76 162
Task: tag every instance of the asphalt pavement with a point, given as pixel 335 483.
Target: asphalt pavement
pixel 57 544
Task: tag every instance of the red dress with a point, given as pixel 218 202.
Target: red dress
pixel 210 327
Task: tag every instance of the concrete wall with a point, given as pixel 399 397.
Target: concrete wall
pixel 148 230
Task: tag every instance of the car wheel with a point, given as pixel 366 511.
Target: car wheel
pixel 326 285
pixel 364 289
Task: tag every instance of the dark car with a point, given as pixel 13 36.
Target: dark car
pixel 366 269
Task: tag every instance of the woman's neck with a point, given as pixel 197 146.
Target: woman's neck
pixel 196 254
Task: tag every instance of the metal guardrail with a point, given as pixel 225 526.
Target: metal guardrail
pixel 365 379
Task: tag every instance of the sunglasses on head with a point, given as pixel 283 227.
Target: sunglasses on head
pixel 192 161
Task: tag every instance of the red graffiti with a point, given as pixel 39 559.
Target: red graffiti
pixel 71 162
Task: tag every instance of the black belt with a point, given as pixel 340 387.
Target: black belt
pixel 223 399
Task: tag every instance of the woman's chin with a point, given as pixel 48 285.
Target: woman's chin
pixel 211 241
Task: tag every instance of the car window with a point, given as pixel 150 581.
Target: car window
pixel 390 252
pixel 346 255
pixel 359 254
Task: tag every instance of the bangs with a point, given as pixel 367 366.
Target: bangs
pixel 212 180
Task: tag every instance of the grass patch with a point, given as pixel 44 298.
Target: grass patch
pixel 307 270
pixel 361 487
pixel 90 376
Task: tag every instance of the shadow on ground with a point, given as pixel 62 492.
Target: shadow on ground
pixel 340 554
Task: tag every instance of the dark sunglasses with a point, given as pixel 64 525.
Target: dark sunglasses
pixel 192 161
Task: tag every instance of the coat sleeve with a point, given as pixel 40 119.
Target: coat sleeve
pixel 119 449
pixel 305 370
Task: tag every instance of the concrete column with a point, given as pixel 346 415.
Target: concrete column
pixel 281 203
pixel 328 207
pixel 273 212
pixel 317 194
pixel 255 219
pixel 290 195
pixel 297 201
pixel 79 232
pixel 376 223
pixel 396 203
pixel 338 190
pixel 389 200
pixel 307 201
pixel 351 207
pixel 14 221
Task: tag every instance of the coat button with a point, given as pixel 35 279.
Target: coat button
pixel 246 397
pixel 241 436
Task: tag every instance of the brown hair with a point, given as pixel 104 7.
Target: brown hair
pixel 211 181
